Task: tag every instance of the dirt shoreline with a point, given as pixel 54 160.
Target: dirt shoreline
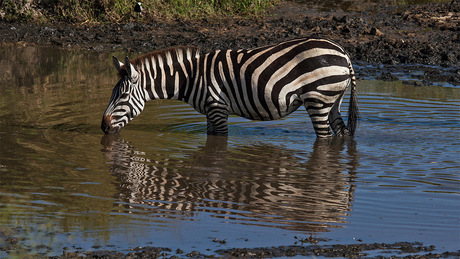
pixel 10 244
pixel 413 250
pixel 427 35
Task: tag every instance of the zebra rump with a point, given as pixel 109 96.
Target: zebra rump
pixel 264 83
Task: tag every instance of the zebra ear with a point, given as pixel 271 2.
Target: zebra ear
pixel 132 73
pixel 117 63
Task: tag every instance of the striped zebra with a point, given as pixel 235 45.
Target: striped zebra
pixel 265 83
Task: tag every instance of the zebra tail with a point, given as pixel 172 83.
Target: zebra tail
pixel 353 111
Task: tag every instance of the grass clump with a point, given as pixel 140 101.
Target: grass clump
pixel 20 10
pixel 105 11
pixel 197 9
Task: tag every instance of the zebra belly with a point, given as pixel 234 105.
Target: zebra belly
pixel 274 114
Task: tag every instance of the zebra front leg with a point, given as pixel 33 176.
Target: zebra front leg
pixel 217 124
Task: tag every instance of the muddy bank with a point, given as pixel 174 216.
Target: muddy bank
pixel 10 240
pixel 426 34
pixel 403 249
pixel 375 250
pixel 308 247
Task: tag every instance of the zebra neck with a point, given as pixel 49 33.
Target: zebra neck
pixel 168 74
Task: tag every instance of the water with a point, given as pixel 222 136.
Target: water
pixel 164 183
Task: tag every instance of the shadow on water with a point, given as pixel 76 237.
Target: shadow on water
pixel 258 184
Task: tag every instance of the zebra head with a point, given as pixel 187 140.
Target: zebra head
pixel 127 99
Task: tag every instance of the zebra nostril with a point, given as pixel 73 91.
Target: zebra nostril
pixel 107 127
pixel 104 127
pixel 105 124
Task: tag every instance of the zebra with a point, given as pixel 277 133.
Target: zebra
pixel 264 83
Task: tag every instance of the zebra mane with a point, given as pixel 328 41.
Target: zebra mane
pixel 137 62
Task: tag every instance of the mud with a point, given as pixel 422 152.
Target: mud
pixel 374 250
pixel 388 35
pixel 308 247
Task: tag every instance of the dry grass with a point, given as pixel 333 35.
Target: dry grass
pixel 105 11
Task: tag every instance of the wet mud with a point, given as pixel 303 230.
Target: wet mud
pixel 413 250
pixel 383 34
pixel 308 247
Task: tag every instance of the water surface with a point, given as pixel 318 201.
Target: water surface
pixel 164 183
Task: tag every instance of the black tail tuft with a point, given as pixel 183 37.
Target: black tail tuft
pixel 353 111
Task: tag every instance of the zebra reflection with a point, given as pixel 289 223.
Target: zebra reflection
pixel 254 184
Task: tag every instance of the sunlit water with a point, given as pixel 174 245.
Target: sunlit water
pixel 164 183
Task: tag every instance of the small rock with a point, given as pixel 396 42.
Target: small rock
pixel 414 83
pixel 376 32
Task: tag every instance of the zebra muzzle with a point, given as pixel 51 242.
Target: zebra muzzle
pixel 107 127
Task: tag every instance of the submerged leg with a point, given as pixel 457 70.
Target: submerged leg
pixel 319 115
pixel 217 121
pixel 336 120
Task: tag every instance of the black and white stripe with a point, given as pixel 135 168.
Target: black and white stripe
pixel 265 83
pixel 209 180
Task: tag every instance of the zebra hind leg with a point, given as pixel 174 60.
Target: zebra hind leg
pixel 217 121
pixel 319 115
pixel 336 120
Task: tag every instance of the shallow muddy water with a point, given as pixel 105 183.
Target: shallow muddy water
pixel 64 186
